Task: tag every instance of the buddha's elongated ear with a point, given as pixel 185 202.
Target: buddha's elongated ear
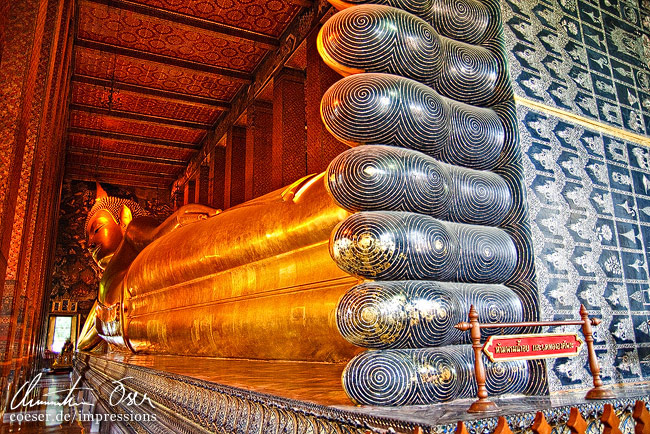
pixel 125 217
pixel 101 193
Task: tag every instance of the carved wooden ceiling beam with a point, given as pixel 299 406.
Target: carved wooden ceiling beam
pixel 148 141
pixel 131 180
pixel 301 3
pixel 139 117
pixel 165 60
pixel 125 156
pixel 92 169
pixel 227 32
pixel 194 99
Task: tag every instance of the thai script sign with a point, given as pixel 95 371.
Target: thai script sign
pixel 528 347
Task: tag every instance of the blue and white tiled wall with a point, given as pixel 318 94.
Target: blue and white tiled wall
pixel 588 193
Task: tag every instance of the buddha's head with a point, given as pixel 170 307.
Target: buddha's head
pixel 106 224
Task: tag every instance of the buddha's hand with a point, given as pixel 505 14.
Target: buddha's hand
pixel 193 212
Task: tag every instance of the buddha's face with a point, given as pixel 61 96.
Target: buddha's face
pixel 104 237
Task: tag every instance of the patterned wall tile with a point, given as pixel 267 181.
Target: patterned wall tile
pixel 589 194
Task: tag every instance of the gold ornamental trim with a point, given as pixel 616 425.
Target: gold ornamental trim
pixel 591 124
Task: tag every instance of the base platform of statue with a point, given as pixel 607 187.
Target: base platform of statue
pixel 195 394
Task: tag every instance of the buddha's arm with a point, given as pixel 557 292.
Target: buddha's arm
pixel 183 216
pixel 144 230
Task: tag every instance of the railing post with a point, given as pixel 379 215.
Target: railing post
pixel 482 404
pixel 598 391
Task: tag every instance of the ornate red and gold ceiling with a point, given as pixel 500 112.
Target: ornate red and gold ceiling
pixel 152 77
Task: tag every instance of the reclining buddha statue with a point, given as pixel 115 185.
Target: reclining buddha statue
pixel 371 262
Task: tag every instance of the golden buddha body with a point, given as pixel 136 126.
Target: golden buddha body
pixel 201 283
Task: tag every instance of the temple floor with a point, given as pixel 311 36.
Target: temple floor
pixel 320 383
pixel 298 383
pixel 52 385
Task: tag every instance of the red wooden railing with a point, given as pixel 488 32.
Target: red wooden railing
pixel 483 404
pixel 576 423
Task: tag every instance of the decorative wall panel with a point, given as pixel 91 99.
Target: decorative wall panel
pixel 588 193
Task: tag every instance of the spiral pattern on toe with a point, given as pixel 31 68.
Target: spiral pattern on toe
pixel 495 304
pixel 375 178
pixel 394 245
pixel 390 110
pixel 425 376
pixel 366 39
pixel 477 138
pixel 468 73
pixel 386 109
pixel 384 380
pixel 405 246
pixel 370 38
pixel 487 254
pixel 416 314
pixel 481 198
pixel 510 377
pixel 463 20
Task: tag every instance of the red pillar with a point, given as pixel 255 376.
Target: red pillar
pixel 259 138
pixel 202 184
pixel 238 166
pixel 322 147
pixel 217 177
pixel 189 194
pixel 235 167
pixel 289 159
